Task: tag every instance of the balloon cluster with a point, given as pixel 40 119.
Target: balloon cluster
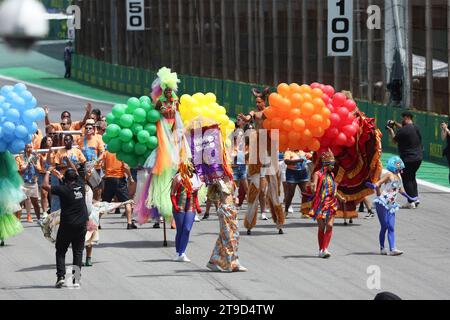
pixel 301 115
pixel 205 105
pixel 344 125
pixel 18 117
pixel 131 130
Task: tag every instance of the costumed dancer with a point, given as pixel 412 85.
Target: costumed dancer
pixel 263 174
pixel 172 148
pixel 386 203
pixel 11 195
pixel 355 166
pixel 184 195
pixel 325 202
pixel 224 257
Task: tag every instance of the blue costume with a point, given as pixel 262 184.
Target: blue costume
pixel 386 204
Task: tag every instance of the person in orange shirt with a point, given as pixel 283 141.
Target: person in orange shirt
pixel 27 164
pixel 69 157
pixel 115 183
pixel 77 125
pixel 36 139
pixel 92 147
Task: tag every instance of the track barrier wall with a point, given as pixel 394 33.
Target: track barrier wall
pixel 236 97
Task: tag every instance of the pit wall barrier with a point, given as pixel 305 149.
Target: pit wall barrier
pixel 236 97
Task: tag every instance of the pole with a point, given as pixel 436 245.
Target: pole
pixel 224 43
pixel 409 97
pixel 290 57
pixel 251 63
pixel 320 40
pixel 212 26
pixel 202 37
pixel 161 33
pixel 448 48
pixel 275 42
pixel 165 233
pixel 429 53
pixel 114 52
pixel 370 61
pixel 237 37
pixel 262 51
pixel 304 41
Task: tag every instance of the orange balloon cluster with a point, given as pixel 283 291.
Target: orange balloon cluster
pixel 300 114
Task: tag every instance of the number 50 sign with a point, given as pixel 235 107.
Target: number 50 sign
pixel 340 27
pixel 135 15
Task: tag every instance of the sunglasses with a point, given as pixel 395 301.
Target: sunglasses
pixel 89 128
pixel 65 124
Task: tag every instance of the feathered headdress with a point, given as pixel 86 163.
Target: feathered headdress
pixel 166 79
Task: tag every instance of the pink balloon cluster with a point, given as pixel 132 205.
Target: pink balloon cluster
pixel 344 125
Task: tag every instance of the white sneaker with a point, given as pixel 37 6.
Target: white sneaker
pixel 408 205
pixel 264 217
pixel 395 252
pixel 326 254
pixel 213 267
pixel 291 210
pixel 197 219
pixel 383 252
pixel 321 254
pixel 178 258
pixel 240 269
pixel 184 258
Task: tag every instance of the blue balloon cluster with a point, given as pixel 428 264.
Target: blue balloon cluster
pixel 18 117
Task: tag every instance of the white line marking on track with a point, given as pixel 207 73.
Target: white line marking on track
pixel 29 84
pixel 429 184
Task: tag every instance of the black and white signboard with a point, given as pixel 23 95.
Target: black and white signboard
pixel 135 15
pixel 340 28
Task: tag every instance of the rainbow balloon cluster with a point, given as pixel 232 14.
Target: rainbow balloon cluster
pixel 131 130
pixel 301 115
pixel 18 117
pixel 206 106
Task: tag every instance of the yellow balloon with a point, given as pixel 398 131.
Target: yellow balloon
pixel 223 119
pixel 210 97
pixel 199 97
pixel 185 98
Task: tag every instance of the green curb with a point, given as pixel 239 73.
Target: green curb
pixel 430 172
pixel 52 81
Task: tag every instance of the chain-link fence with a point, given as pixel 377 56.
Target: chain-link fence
pixel 273 41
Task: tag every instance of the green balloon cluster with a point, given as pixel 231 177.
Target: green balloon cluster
pixel 131 130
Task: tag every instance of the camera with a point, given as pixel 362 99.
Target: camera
pixel 390 124
pixel 22 23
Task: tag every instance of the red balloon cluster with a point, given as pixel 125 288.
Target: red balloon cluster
pixel 344 125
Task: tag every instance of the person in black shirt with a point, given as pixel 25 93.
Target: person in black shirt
pixel 445 135
pixel 409 142
pixel 73 222
pixel 68 51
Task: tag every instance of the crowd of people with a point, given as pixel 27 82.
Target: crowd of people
pixel 70 171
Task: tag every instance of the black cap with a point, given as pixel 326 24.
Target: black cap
pixel 386 296
pixel 70 175
pixel 408 114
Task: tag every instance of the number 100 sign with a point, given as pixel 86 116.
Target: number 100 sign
pixel 135 15
pixel 340 28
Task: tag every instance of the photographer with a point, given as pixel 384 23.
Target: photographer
pixel 74 218
pixel 445 135
pixel 409 141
